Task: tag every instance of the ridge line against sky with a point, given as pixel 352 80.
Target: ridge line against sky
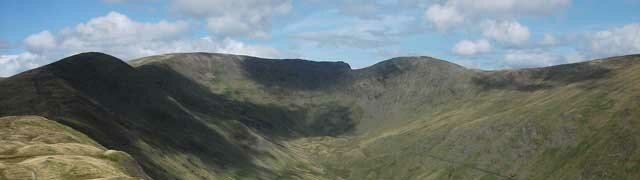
pixel 478 34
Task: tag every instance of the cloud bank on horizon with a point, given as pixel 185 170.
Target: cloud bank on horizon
pixel 478 34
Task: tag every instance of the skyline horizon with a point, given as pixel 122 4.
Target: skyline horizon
pixel 504 34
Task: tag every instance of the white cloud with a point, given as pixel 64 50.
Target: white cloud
pixel 444 17
pixel 359 33
pixel 615 41
pixel 237 17
pixel 539 58
pixel 118 35
pixel 118 28
pixel 122 37
pixel 15 63
pixel 574 57
pixel 231 46
pixel 453 13
pixel 548 40
pixel 524 59
pixel 470 48
pixel 40 42
pixel 510 8
pixel 507 32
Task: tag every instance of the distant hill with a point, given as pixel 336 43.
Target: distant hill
pixel 219 116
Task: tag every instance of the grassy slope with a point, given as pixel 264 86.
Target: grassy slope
pixel 565 133
pixel 37 148
pixel 577 129
pixel 174 133
pixel 199 116
pixel 420 118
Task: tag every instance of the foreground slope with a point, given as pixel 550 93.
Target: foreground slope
pixel 164 130
pixel 217 116
pixel 37 148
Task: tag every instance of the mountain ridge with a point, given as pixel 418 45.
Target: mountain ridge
pixel 204 116
pixel 144 60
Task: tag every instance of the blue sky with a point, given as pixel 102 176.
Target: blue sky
pixel 495 34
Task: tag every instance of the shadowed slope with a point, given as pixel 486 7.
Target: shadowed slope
pixel 574 128
pixel 238 79
pixel 116 105
pixel 422 118
pixel 318 87
pixel 200 115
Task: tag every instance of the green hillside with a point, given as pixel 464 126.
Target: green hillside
pixel 217 116
pixel 37 148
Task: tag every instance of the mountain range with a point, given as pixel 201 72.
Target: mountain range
pixel 220 116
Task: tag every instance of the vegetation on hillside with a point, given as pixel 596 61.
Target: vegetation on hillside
pixel 217 116
pixel 37 148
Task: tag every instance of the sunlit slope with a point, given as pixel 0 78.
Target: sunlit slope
pixel 418 117
pixel 218 116
pixel 332 96
pixel 37 148
pixel 578 127
pixel 186 134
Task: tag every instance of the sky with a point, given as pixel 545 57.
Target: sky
pixel 498 34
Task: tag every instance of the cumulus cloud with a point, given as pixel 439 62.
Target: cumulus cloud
pixel 615 41
pixel 231 46
pixel 40 42
pixel 118 35
pixel 574 57
pixel 507 32
pixel 453 13
pixel 470 48
pixel 539 58
pixel 360 33
pixel 15 63
pixel 510 8
pixel 524 59
pixel 237 17
pixel 548 40
pixel 444 17
pixel 119 29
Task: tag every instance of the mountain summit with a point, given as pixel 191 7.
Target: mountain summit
pixel 219 116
